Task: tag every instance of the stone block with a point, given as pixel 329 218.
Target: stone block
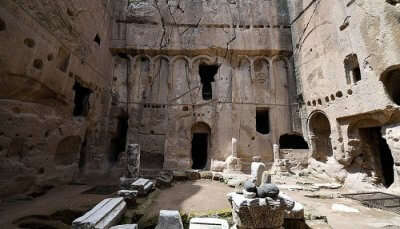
pixel 169 220
pixel 104 215
pixel 193 174
pixel 257 170
pixel 125 182
pixel 129 197
pixel 180 176
pixel 143 186
pixel 164 181
pixel 126 226
pixel 208 223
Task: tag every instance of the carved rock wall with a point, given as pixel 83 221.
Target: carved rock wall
pixel 47 49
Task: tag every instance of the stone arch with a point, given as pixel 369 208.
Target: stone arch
pixel 320 136
pixel 201 135
pixel 68 150
pixel 143 73
pixel 181 73
pixel 161 80
pixel 391 81
pixel 280 69
pixel 244 80
pixel 261 71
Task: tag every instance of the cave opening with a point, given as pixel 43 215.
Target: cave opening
pixel 207 74
pixel 292 141
pixel 392 85
pixel 81 100
pixel 382 159
pixel 118 142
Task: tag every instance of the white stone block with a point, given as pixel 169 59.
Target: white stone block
pixel 104 215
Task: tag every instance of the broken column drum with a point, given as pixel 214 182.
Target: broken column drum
pixel 260 213
pixel 133 160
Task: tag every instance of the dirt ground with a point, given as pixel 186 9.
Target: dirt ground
pixel 194 196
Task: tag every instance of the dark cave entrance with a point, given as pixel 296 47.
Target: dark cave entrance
pixel 391 82
pixel 207 73
pixel 118 142
pixel 292 141
pixel 380 153
pixel 81 99
pixel 199 150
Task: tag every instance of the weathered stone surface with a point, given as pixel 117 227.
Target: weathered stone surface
pixel 249 186
pixel 259 212
pixel 126 226
pixel 143 186
pixel 257 170
pixel 104 215
pixel 193 174
pixel 125 183
pixel 164 180
pixel 268 190
pixel 129 197
pixel 133 161
pixel 208 223
pixel 169 220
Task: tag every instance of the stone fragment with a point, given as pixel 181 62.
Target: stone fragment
pixel 344 208
pixel 267 190
pixel 180 176
pixel 259 212
pixel 208 223
pixel 266 178
pixel 328 186
pixel 169 220
pixel 250 186
pixel 193 174
pixel 129 197
pixel 104 215
pixel 218 176
pixel 296 213
pixel 249 195
pixel 217 166
pixel 143 186
pixel 126 226
pixel 164 181
pixel 125 183
pixel 257 170
pixel 256 159
pixel 206 175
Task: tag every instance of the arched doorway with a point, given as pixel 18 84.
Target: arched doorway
pixel 200 145
pixel 320 132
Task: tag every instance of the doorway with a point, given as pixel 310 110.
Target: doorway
pixel 199 150
pixel 320 130
pixel 379 153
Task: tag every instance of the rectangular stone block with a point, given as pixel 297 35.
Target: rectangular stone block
pixel 104 215
pixel 143 186
pixel 208 223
